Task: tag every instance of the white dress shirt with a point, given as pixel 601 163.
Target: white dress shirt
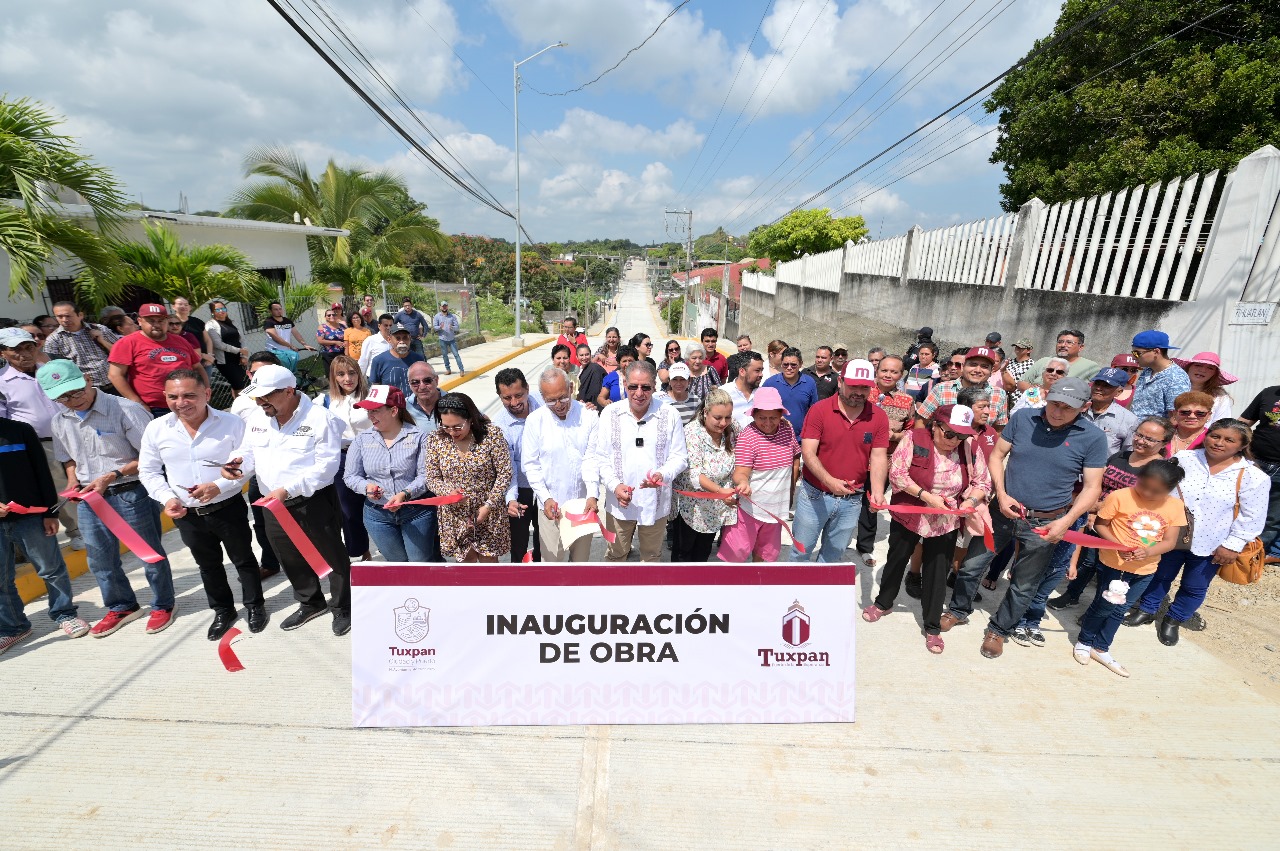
pixel 301 456
pixel 243 407
pixel 615 459
pixel 170 459
pixel 513 430
pixel 374 345
pixel 741 404
pixel 552 451
pixel 354 420
pixel 1211 499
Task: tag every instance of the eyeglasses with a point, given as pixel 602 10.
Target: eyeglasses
pixel 1055 372
pixel 557 402
pixel 790 365
pixel 67 397
pixel 639 388
pixel 422 382
pixel 955 364
pixel 1137 435
pixel 1190 414
pixel 457 429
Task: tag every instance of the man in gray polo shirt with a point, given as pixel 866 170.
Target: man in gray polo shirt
pixel 1035 465
pixel 1115 420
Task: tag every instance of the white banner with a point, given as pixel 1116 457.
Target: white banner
pixel 479 644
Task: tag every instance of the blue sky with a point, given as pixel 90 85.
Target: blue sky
pixel 172 96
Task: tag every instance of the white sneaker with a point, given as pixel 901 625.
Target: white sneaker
pixel 76 543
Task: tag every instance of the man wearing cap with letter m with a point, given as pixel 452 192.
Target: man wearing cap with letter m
pixel 141 361
pixel 1161 380
pixel 1035 466
pixel 294 447
pixel 97 438
pixel 845 446
pixel 978 364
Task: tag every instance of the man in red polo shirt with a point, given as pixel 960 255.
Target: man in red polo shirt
pixel 845 445
pixel 141 361
pixel 715 360
pixel 570 337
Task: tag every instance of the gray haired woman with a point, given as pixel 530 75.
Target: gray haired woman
pixel 709 438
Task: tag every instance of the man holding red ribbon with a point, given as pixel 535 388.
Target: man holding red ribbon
pixel 294 446
pixel 98 437
pixel 1040 457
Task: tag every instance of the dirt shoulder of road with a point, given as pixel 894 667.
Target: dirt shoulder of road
pixel 1243 629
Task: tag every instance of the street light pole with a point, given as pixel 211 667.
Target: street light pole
pixel 518 340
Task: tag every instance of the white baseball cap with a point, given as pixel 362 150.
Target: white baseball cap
pixel 11 338
pixel 860 373
pixel 679 369
pixel 269 379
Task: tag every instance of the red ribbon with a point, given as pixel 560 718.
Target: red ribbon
pixel 721 496
pixel 447 499
pixel 299 538
pixel 111 518
pixel 988 537
pixel 1086 540
pixel 14 508
pixel 528 557
pixel 230 660
pixel 590 517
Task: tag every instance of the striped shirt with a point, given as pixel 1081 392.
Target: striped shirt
pixel 687 408
pixel 770 458
pixel 80 349
pixel 394 468
pixel 105 439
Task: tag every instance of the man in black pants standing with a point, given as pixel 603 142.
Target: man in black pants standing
pixel 243 407
pixel 208 510
pixel 294 446
pixel 522 508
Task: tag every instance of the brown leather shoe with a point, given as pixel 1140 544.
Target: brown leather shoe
pixel 267 573
pixel 949 620
pixel 992 645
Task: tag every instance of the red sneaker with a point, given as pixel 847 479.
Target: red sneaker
pixel 159 620
pixel 113 621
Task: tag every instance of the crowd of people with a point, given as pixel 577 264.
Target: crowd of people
pixel 983 465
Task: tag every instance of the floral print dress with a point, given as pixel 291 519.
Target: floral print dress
pixel 483 474
pixel 714 462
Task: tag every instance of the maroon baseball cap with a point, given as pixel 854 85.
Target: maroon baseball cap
pixel 1125 361
pixel 153 310
pixel 381 395
pixel 981 352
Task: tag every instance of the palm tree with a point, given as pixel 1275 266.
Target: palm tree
pixel 170 269
pixel 361 275
pixel 34 161
pixel 373 205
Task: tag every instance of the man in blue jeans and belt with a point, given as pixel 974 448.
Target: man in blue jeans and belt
pixel 845 445
pixel 1035 466
pixel 447 325
pixel 97 437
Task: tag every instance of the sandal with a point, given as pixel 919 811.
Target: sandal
pixel 989 584
pixel 873 613
pixel 933 643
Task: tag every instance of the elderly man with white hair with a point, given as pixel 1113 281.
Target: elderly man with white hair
pixel 554 445
pixel 636 454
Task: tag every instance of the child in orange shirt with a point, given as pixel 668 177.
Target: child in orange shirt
pixel 1149 519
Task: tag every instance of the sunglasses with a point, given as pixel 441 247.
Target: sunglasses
pixel 948 433
pixel 640 388
pixel 955 364
pixel 1055 372
pixel 421 382
pixel 1140 352
pixel 1186 412
pixel 456 429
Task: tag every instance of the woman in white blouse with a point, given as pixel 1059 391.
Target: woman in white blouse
pixel 1219 474
pixel 348 385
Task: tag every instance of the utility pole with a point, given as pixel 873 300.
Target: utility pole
pixel 688 247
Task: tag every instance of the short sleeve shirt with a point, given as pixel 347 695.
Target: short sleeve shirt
pixel 1264 410
pixel 283 327
pixel 1045 463
pixel 827 384
pixel 844 446
pixel 770 457
pixel 1119 474
pixel 150 362
pixel 1154 392
pixel 1136 522
pixel 947 392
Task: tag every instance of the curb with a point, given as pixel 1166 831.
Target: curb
pixel 446 386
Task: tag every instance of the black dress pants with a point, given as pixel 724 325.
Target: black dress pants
pixel 935 565
pixel 687 544
pixel 269 560
pixel 867 520
pixel 525 527
pixel 321 521
pixel 227 526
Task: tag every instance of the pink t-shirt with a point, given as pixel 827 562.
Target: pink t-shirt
pixel 770 457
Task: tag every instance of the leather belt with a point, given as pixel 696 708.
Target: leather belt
pixel 127 486
pixel 202 510
pixel 1049 515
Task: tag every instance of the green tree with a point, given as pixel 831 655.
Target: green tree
pixel 170 269
pixel 375 206
pixel 804 232
pixel 360 275
pixel 35 160
pixel 1200 101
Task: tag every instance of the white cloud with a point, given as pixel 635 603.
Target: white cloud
pixel 583 131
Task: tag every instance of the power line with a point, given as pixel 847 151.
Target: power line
pixel 624 58
pixel 745 56
pixel 1109 68
pixel 1019 64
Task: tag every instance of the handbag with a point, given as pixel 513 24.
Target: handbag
pixel 1188 531
pixel 1247 567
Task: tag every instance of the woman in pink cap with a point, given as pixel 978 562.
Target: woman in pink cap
pixel 933 467
pixel 1207 376
pixel 766 463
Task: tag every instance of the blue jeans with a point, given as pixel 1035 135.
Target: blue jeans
pixel 1197 573
pixel 1028 570
pixel 409 534
pixel 46 557
pixel 1059 564
pixel 1086 569
pixel 834 517
pixel 1271 530
pixel 1098 629
pixel 447 346
pixel 103 548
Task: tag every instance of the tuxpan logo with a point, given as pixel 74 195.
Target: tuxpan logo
pixel 796 629
pixel 413 621
pixel 795 626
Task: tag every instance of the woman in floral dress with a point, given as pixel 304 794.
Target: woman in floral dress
pixel 709 437
pixel 468 454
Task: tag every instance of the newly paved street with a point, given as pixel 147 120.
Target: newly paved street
pixel 146 741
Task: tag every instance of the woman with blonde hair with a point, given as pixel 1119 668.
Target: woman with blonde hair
pixel 348 386
pixel 773 357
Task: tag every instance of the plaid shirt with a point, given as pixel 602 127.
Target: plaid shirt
pixel 1018 369
pixel 946 392
pixel 80 349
